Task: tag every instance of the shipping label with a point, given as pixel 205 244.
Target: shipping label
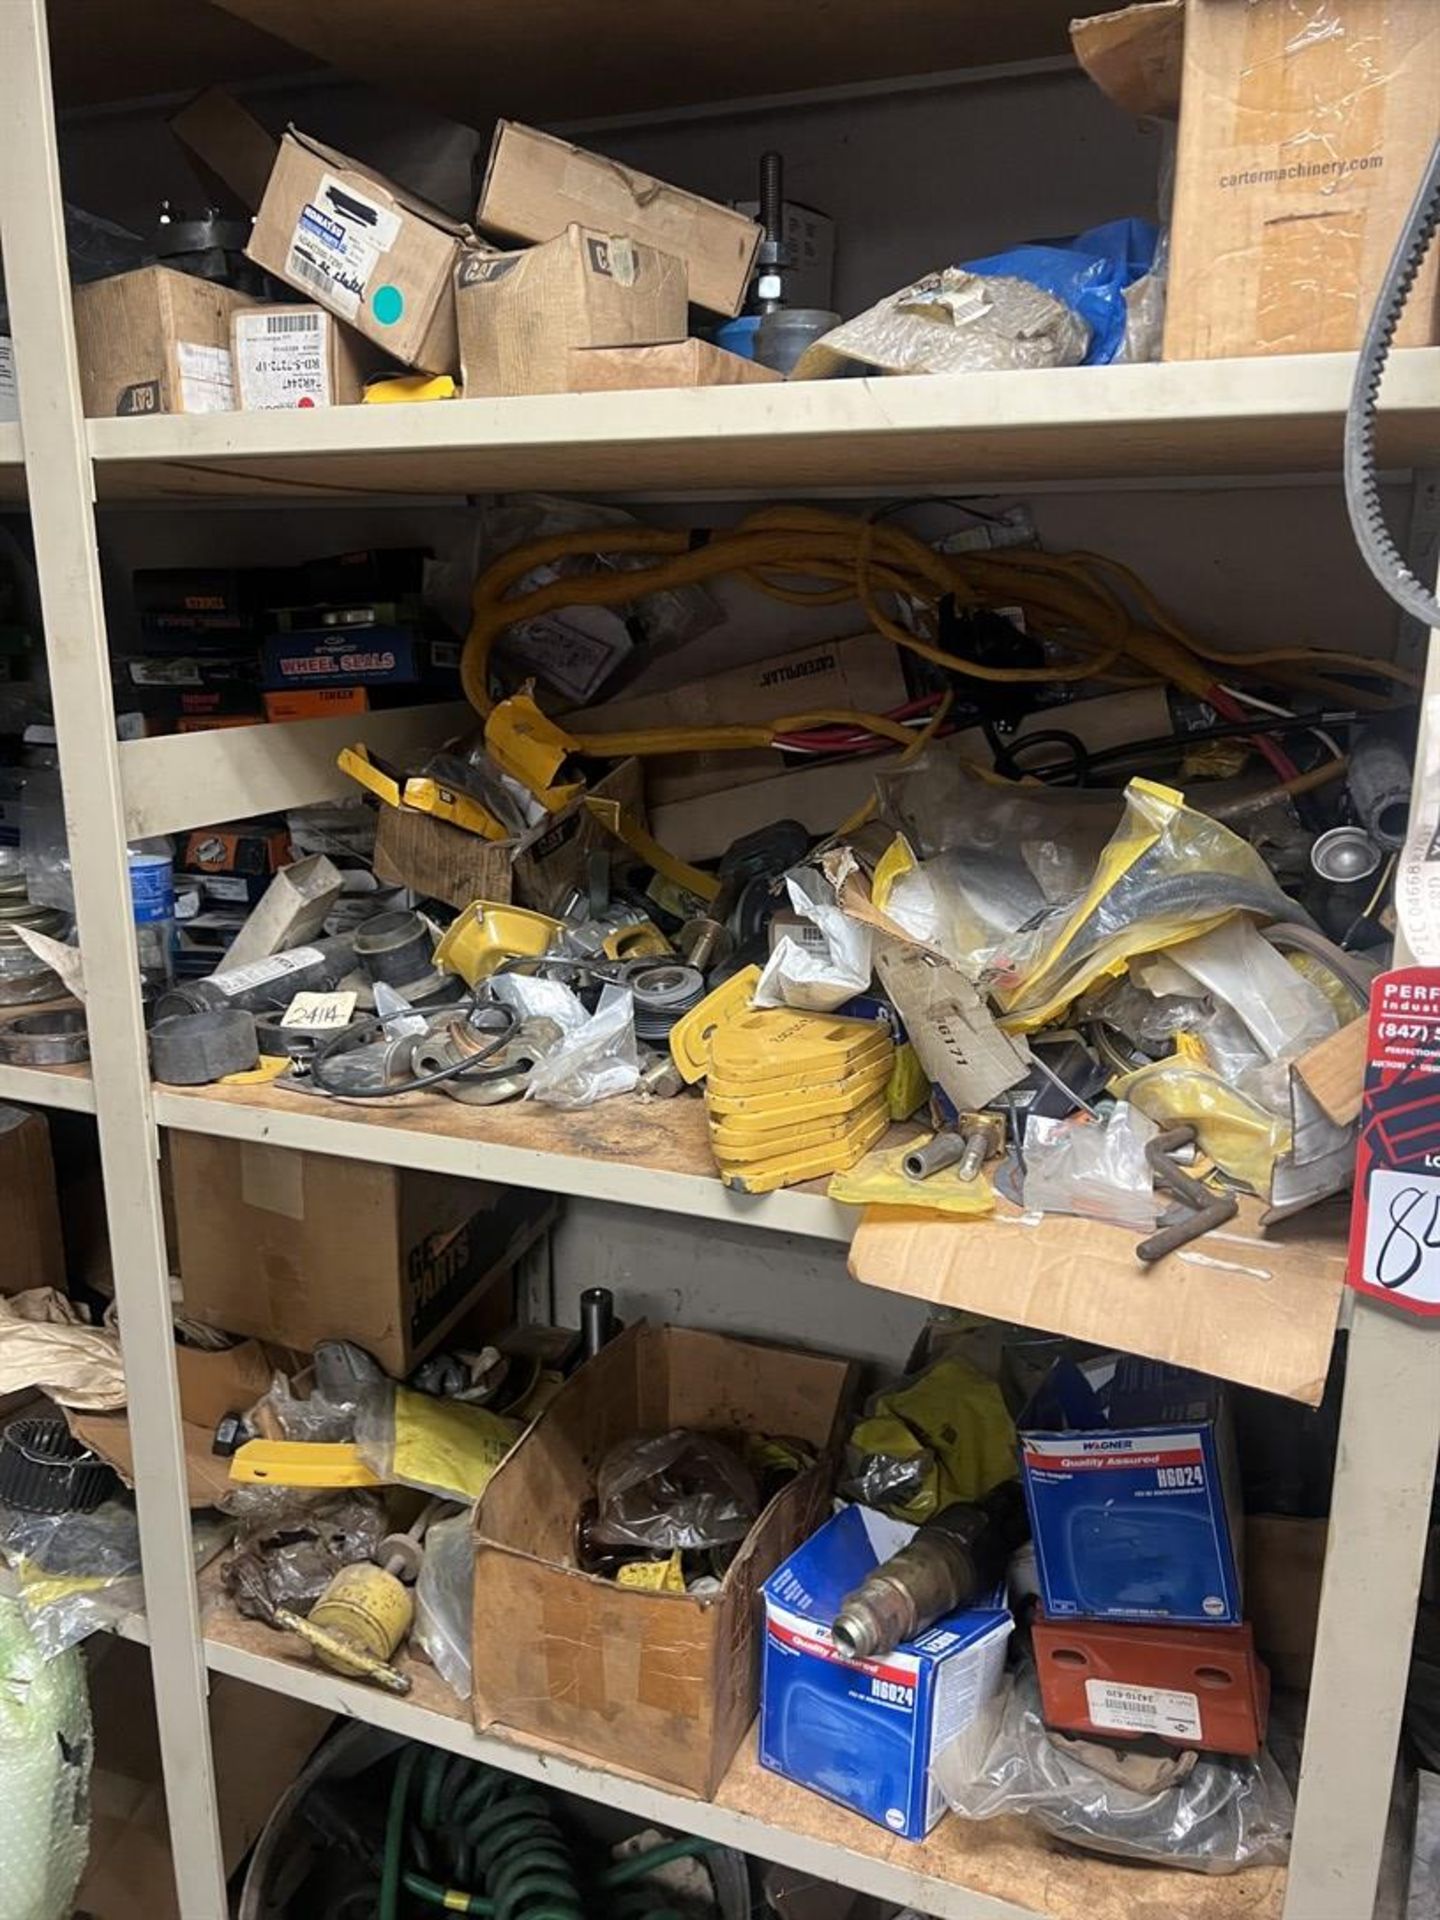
pixel 338 238
pixel 283 359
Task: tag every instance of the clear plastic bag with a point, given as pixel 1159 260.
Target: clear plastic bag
pixel 1243 1138
pixel 1056 834
pixel 315 1418
pixel 1166 875
pixel 445 1600
pixel 596 1061
pixel 287 1558
pixel 77 1573
pixel 953 321
pixel 45 843
pixel 676 1489
pixel 1093 1167
pixel 1285 1012
pixel 816 979
pixel 1224 1815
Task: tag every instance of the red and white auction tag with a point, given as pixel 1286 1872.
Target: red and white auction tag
pixel 1395 1214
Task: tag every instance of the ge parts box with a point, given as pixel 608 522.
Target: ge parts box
pixel 867 1732
pixel 1136 1516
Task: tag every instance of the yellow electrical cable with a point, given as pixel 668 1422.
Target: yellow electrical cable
pixel 1076 601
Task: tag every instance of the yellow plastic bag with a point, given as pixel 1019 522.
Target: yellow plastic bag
pixel 653 1576
pixel 1167 874
pixel 1242 1138
pixel 944 1436
pixel 441 1446
pixel 880 1180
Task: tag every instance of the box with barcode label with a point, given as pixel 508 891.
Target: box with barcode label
pixel 156 341
pixel 363 247
pixel 1135 1499
pixel 298 357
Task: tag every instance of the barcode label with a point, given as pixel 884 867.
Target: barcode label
pixel 306 268
pixel 1122 1709
pixel 301 321
pixel 283 359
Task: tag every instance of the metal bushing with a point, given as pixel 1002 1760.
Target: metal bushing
pixel 46 1039
pixel 191 1049
pixel 396 948
pixel 662 990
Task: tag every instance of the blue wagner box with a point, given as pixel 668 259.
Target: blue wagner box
pixel 1134 1496
pixel 866 1732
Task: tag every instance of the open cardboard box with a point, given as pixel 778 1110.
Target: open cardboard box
pixel 211 1385
pixel 660 1683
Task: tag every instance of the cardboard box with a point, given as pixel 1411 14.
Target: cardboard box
pixel 251 847
pixel 866 1733
pixel 261 1740
pixel 299 1247
pixel 1301 145
pixel 520 314
pixel 686 363
pixel 211 1384
pixel 376 656
pixel 155 341
pixel 298 357
pixel 440 861
pixel 316 703
pixel 29 1204
pixel 536 186
pixel 1135 1501
pixel 1284 1564
pixel 229 143
pixel 377 256
pixel 660 1683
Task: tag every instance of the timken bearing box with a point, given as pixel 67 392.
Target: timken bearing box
pixel 1135 1505
pixel 867 1733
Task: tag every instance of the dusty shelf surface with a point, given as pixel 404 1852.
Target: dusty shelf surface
pixel 999 1870
pixel 1071 424
pixel 69 1088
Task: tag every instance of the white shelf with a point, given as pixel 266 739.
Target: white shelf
pixel 187 780
pixel 1005 1870
pixel 1076 424
pixel 69 1089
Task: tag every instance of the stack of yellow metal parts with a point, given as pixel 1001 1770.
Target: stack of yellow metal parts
pixel 792 1096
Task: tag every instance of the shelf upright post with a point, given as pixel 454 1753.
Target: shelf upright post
pixel 61 489
pixel 1379 1524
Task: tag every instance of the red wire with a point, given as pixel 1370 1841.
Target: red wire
pixel 1231 709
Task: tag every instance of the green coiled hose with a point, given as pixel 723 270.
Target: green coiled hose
pixel 471 1825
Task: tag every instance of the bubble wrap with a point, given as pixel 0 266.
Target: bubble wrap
pixel 954 322
pixel 45 1751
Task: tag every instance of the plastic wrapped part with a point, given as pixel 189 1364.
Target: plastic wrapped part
pixel 1285 1012
pixel 288 1557
pixel 596 1061
pixel 534 997
pixel 78 1573
pixel 954 321
pixel 316 1418
pixel 1059 833
pixel 442 1447
pixel 1094 1167
pixel 576 649
pixel 1223 1816
pixel 1033 306
pixel 880 1180
pixel 445 1600
pixel 664 1491
pixel 1167 874
pixel 45 843
pixel 943 1436
pixel 1242 1137
pixel 46 1747
pixel 816 978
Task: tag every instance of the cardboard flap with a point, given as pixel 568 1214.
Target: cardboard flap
pixel 229 143
pixel 391 190
pixel 1136 56
pixel 1255 1307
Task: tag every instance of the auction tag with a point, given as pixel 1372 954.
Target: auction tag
pixel 320 1010
pixel 1395 1213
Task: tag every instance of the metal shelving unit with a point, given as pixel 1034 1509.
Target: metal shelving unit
pixel 1123 426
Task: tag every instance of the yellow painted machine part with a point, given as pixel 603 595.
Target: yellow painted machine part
pixel 484 935
pixel 693 1032
pixel 788 1170
pixel 366 1608
pixel 301 1463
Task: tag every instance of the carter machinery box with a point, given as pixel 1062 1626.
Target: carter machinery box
pixel 868 1732
pixel 1134 1496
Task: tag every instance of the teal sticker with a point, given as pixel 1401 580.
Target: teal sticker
pixel 387 303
